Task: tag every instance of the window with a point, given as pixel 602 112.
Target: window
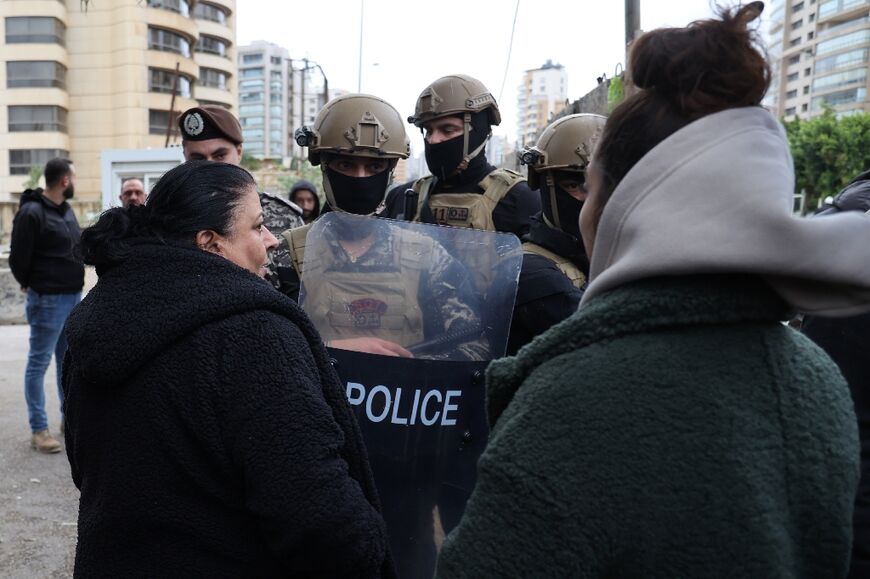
pixel 35 73
pixel 275 135
pixel 275 60
pixel 166 41
pixel 794 41
pixel 251 121
pixel 790 111
pixel 254 147
pixel 39 29
pixel 276 111
pixel 794 59
pixel 807 89
pixel 180 6
pixel 833 6
pixel 213 78
pixel 162 81
pixel 813 17
pixel 251 97
pixel 204 11
pixel 251 85
pixel 808 71
pixel 252 58
pixel 792 77
pixel 791 94
pixel 276 149
pixel 211 45
pixel 275 97
pixel 158 121
pixel 251 110
pixel 845 41
pixel 797 7
pixel 251 134
pixel 251 72
pixel 838 79
pixel 21 160
pixel 37 118
pixel 275 123
pixel 842 97
pixel 842 60
pixel 797 24
pixel 804 107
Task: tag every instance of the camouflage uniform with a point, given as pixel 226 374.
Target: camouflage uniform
pixel 445 293
pixel 279 215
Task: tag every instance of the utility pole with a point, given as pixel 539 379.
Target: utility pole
pixel 632 20
pixel 302 74
pixel 171 118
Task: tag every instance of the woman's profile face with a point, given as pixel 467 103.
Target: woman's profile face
pixel 248 242
pixel 591 208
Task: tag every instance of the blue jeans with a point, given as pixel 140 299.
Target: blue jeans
pixel 46 314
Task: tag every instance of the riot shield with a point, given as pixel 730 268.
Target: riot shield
pixel 422 417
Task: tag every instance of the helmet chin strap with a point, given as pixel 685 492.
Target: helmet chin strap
pixel 466 156
pixel 551 185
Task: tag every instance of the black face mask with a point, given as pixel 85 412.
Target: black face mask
pixel 69 192
pixel 358 195
pixel 568 208
pixel 443 158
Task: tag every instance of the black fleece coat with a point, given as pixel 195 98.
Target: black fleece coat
pixel 207 431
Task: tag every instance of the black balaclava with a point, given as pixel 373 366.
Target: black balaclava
pixel 567 214
pixel 444 158
pixel 358 195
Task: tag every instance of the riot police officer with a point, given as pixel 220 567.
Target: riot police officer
pixel 555 265
pixel 212 133
pixel 456 114
pixel 382 287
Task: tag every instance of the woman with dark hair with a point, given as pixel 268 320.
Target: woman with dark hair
pixel 206 428
pixel 673 426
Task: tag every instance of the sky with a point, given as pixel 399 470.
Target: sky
pixel 408 44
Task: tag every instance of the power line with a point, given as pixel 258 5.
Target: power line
pixel 510 49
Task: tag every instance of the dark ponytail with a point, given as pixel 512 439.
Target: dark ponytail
pixel 194 196
pixel 683 74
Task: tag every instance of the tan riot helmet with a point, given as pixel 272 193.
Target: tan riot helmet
pixel 565 145
pixel 356 124
pixel 457 95
pixel 454 95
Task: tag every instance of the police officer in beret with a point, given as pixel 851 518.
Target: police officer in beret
pixel 212 133
pixel 555 266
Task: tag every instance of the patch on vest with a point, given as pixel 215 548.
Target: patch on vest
pixel 444 215
pixel 367 313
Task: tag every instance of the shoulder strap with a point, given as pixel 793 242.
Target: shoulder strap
pixel 498 183
pixel 565 265
pixel 296 243
pixel 422 187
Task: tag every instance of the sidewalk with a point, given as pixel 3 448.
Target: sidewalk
pixel 38 501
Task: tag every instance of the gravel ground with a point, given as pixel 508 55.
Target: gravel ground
pixel 38 501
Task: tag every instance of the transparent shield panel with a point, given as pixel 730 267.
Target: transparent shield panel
pixel 435 292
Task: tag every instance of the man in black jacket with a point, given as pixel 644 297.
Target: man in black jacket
pixel 45 260
pixel 845 341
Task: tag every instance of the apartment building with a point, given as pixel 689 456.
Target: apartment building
pixel 277 95
pixel 542 94
pixel 78 82
pixel 818 51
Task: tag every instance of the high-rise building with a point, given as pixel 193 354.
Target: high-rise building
pixel 542 94
pixel 78 82
pixel 818 53
pixel 277 95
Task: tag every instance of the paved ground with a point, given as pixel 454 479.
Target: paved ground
pixel 38 501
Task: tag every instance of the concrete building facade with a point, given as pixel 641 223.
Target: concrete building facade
pixel 80 82
pixel 542 94
pixel 819 53
pixel 277 95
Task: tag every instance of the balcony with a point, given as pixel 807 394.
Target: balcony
pixel 841 10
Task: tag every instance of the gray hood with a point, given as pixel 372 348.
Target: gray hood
pixel 717 197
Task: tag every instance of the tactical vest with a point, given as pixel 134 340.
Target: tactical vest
pixel 565 265
pixel 369 303
pixel 472 210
